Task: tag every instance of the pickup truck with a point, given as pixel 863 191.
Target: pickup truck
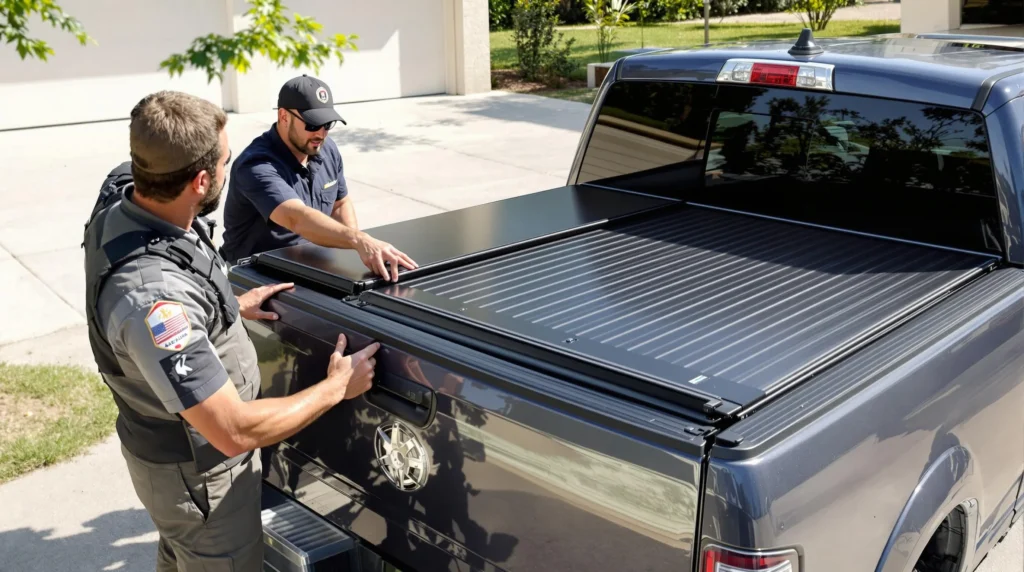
pixel 773 322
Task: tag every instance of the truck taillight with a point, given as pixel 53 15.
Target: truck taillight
pixel 719 559
pixel 762 72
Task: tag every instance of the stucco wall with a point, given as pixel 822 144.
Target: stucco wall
pixel 103 81
pixel 920 16
pixel 406 48
pixel 401 52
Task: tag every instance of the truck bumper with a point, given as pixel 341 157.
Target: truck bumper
pixel 296 539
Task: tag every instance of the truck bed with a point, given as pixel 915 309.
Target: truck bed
pixel 696 302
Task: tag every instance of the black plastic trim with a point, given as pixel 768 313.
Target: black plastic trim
pixel 986 87
pixel 588 129
pixel 408 400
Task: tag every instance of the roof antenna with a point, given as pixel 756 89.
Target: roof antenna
pixel 805 45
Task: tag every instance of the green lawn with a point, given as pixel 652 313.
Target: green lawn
pixel 503 50
pixel 577 94
pixel 49 414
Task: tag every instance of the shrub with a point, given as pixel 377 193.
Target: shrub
pixel 571 11
pixel 540 51
pixel 608 15
pixel 501 13
pixel 767 6
pixel 558 64
pixel 722 8
pixel 818 12
pixel 533 31
pixel 575 11
pixel 670 10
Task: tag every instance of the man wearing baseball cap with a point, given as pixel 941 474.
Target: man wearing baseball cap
pixel 288 186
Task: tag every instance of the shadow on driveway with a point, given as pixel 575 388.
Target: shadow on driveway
pixel 545 111
pixel 367 140
pixel 114 541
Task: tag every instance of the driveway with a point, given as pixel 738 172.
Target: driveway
pixel 403 159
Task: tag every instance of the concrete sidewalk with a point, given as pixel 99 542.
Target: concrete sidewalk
pixel 403 159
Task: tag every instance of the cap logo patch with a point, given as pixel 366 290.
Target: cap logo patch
pixel 321 94
pixel 168 325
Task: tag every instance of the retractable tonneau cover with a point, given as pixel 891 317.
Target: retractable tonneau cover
pixel 732 306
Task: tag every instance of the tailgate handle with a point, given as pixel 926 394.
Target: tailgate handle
pixel 404 398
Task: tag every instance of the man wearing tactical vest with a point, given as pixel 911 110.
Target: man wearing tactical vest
pixel 166 335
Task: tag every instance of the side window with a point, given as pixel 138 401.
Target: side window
pixel 649 134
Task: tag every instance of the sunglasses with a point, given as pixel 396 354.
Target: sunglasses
pixel 313 128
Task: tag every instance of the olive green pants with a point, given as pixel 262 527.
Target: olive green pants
pixel 207 522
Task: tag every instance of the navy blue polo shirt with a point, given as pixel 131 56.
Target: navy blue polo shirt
pixel 267 174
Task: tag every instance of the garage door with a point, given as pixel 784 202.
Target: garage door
pixel 104 80
pixel 401 53
pixel 401 48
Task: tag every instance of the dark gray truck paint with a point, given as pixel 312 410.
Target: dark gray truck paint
pixel 879 447
pixel 544 458
pixel 528 471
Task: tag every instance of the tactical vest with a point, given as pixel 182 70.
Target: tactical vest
pixel 152 439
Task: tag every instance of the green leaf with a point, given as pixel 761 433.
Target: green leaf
pixel 16 14
pixel 270 33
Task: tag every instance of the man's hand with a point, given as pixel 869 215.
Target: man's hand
pixel 375 253
pixel 351 375
pixel 234 426
pixel 250 302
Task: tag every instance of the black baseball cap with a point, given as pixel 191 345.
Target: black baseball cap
pixel 311 98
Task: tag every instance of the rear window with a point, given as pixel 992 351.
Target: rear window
pixel 935 148
pixel 886 167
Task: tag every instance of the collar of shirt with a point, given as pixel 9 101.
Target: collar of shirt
pixel 149 220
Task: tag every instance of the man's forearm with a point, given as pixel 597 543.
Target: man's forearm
pixel 321 229
pixel 345 213
pixel 266 421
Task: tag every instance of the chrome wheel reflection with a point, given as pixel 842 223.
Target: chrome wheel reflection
pixel 402 458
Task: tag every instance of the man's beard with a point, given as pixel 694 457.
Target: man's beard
pixel 211 201
pixel 308 148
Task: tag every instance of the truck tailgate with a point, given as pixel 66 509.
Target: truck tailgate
pixel 697 301
pixel 521 471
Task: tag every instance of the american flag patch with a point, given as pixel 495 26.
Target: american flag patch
pixel 168 325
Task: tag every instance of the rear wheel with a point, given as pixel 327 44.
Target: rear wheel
pixel 945 549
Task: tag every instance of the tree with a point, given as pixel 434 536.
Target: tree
pixel 539 49
pixel 607 15
pixel 270 33
pixel 14 15
pixel 819 12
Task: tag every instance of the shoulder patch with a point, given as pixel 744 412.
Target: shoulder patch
pixel 168 325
